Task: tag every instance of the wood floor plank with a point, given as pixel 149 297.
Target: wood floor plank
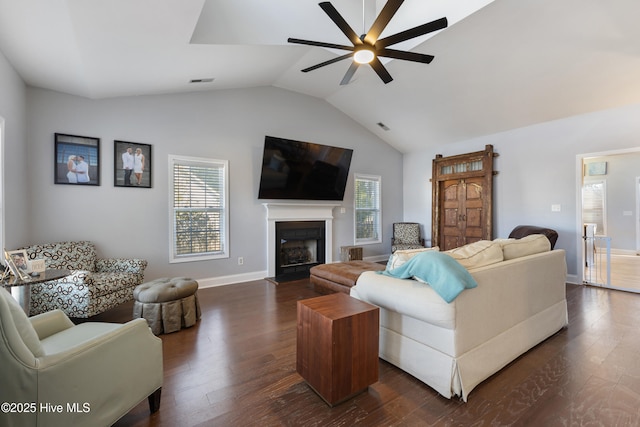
pixel 236 367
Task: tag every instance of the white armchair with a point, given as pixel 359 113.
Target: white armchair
pixel 97 372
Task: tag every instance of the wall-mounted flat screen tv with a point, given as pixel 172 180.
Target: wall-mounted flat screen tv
pixel 303 170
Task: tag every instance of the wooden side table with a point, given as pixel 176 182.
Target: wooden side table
pixel 350 253
pixel 337 345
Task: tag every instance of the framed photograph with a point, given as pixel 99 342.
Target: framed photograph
pixel 132 164
pixel 20 260
pixel 77 160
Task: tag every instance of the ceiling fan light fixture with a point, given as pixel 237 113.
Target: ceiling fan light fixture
pixel 367 47
pixel 364 55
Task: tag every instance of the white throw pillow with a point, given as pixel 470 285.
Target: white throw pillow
pixel 477 254
pixel 400 257
pixel 528 245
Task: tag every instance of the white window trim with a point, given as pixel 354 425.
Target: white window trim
pixel 378 178
pixel 173 257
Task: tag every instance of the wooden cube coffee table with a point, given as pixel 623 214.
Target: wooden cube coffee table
pixel 337 345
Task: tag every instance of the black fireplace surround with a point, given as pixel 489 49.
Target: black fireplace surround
pixel 300 245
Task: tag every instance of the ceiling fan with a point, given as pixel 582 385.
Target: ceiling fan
pixel 367 48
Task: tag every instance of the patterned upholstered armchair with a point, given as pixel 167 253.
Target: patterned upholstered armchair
pixel 406 235
pixel 94 285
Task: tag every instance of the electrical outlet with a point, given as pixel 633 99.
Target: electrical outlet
pixel 240 260
pixel 556 208
pixel 342 210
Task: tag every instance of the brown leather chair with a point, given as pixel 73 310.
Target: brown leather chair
pixel 524 230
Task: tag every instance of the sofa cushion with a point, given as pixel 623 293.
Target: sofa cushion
pixel 101 284
pixel 401 256
pixel 437 269
pixel 79 255
pixel 478 254
pixel 528 245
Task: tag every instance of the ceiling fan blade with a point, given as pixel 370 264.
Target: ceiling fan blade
pixel 319 44
pixel 407 56
pixel 420 30
pixel 349 74
pixel 329 62
pixel 387 12
pixel 340 22
pixel 380 70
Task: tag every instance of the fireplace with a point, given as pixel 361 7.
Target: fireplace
pixel 299 246
pixel 305 213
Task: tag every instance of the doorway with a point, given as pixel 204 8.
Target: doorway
pixel 609 229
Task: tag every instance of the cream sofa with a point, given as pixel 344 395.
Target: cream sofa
pixel 518 302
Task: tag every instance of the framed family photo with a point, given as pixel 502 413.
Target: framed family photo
pixel 77 160
pixel 20 260
pixel 17 264
pixel 132 164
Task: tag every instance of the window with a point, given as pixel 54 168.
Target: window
pixel 594 195
pixel 367 207
pixel 199 211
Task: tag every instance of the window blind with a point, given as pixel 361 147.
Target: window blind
pixel 199 208
pixel 367 209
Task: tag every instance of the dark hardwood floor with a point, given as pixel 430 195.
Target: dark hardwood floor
pixel 236 367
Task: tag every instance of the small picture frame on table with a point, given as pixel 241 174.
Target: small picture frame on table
pixel 76 160
pixel 132 164
pixel 18 263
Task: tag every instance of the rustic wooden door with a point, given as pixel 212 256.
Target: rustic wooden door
pixel 462 212
pixel 462 198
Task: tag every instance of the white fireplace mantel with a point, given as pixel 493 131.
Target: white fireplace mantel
pixel 297 212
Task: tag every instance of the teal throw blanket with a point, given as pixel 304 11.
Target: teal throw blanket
pixel 441 271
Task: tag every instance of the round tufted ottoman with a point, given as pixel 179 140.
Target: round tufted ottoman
pixel 168 304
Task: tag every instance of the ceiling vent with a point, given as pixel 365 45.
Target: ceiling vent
pixel 207 80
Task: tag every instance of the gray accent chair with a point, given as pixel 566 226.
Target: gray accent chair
pixel 406 235
pixel 97 372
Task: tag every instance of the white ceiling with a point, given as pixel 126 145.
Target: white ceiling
pixel 499 65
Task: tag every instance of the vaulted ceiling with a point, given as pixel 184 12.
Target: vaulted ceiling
pixel 500 64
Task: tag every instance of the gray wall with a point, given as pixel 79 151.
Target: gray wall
pixel 537 168
pixel 620 181
pixel 16 175
pixel 227 125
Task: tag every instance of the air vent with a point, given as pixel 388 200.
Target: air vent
pixel 383 126
pixel 207 80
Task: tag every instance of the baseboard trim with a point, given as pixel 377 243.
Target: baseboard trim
pixel 232 279
pixel 623 252
pixel 573 279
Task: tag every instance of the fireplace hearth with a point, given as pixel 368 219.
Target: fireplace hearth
pixel 298 212
pixel 299 246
